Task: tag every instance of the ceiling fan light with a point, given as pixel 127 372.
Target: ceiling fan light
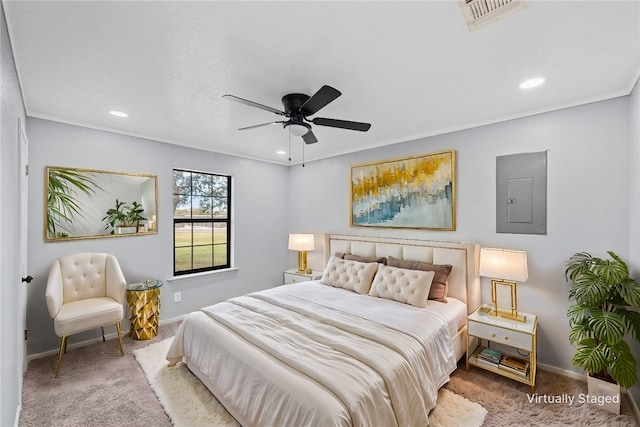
pixel 297 129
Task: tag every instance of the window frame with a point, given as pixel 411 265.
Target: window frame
pixel 212 220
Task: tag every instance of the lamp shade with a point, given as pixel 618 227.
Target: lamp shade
pixel 301 242
pixel 503 264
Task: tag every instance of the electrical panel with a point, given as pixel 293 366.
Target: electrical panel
pixel 521 198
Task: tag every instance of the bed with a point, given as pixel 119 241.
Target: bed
pixel 336 352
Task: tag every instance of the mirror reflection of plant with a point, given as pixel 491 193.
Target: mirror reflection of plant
pixel 64 186
pixel 115 216
pixel 123 215
pixel 134 215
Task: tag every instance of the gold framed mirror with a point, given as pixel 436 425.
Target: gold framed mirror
pixel 92 203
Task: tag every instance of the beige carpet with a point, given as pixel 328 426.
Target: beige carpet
pixel 509 402
pixel 97 387
pixel 189 404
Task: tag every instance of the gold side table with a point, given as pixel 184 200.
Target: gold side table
pixel 144 300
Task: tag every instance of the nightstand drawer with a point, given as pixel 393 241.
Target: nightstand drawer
pixel 293 276
pixel 496 334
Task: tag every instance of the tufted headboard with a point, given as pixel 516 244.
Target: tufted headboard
pixel 464 282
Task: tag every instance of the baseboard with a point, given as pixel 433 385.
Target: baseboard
pixel 72 346
pixel 174 319
pixel 18 410
pixel 634 408
pixel 564 372
pixel 98 339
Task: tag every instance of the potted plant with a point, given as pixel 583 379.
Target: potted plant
pixel 603 314
pixel 124 219
pixel 134 215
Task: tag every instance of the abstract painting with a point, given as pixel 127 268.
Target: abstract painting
pixel 408 192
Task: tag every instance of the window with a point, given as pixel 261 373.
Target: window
pixel 201 221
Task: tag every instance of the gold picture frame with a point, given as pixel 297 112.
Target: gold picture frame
pixel 408 192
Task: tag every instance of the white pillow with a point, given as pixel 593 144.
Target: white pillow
pixel 402 285
pixel 351 275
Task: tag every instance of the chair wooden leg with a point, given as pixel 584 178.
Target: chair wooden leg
pixel 120 338
pixel 102 328
pixel 63 348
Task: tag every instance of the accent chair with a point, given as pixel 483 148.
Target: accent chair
pixel 85 291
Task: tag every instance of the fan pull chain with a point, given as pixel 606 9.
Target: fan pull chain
pixel 289 144
pixel 303 144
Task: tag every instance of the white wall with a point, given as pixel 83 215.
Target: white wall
pixel 259 216
pixel 588 193
pixel 634 205
pixel 11 310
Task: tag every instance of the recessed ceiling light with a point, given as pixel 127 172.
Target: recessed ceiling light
pixel 531 83
pixel 118 113
pixel 281 152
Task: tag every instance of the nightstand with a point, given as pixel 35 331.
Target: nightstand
pixel 514 339
pixel 293 276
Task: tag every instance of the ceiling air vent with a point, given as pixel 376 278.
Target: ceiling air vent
pixel 478 13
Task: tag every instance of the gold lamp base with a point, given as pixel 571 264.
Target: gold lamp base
pixel 507 314
pixel 302 262
pixel 511 316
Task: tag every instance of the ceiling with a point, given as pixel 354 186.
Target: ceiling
pixel 411 69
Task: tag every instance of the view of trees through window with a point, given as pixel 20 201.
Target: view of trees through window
pixel 201 221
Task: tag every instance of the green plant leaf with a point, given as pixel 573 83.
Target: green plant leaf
pixel 578 313
pixel 64 185
pixel 590 290
pixel 629 290
pixel 591 356
pixel 632 321
pixel 607 326
pixel 623 366
pixel 617 268
pixel 579 331
pixel 577 264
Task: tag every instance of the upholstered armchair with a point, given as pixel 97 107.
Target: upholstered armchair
pixel 85 291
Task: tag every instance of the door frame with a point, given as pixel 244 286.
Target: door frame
pixel 23 153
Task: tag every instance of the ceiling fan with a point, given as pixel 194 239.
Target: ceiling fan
pixel 297 108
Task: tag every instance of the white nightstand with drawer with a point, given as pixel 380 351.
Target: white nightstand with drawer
pixel 519 337
pixel 294 276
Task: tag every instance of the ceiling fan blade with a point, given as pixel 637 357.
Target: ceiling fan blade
pixel 309 138
pixel 322 97
pixel 252 104
pixel 342 124
pixel 260 125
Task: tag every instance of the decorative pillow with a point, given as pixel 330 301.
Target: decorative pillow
pixel 339 255
pixel 439 287
pixel 402 285
pixel 381 260
pixel 351 275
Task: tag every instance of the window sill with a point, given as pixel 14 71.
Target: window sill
pixel 204 274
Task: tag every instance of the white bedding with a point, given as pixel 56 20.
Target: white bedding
pixel 311 354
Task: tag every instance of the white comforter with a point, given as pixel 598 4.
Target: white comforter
pixel 310 354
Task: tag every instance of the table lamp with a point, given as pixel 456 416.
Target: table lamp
pixel 301 243
pixel 505 267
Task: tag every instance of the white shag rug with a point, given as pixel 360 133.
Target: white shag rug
pixel 190 404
